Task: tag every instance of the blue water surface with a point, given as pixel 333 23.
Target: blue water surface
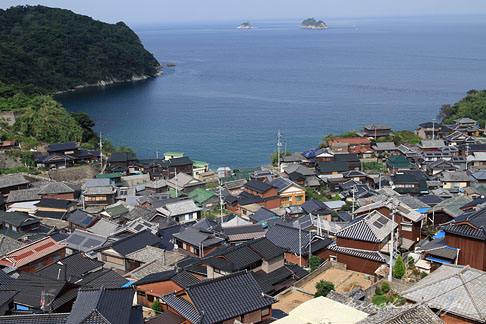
pixel 232 89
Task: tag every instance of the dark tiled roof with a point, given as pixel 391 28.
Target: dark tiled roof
pixel 53 188
pixel 12 180
pixel 183 307
pixel 476 219
pixel 50 214
pixel 315 207
pixel 6 296
pixel 363 254
pixel 113 304
pixel 288 238
pixel 81 218
pixel 60 318
pixel 166 318
pixel 268 280
pixel 258 186
pixel 102 278
pixel 61 147
pixel 134 242
pixel 228 297
pixel 122 157
pixel 74 265
pixel 182 278
pixel 262 214
pixel 17 218
pixel 337 166
pixel 55 203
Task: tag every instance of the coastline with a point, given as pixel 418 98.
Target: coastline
pixel 103 83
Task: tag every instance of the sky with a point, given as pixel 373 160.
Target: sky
pixel 187 11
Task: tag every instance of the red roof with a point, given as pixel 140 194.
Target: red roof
pixel 30 253
pixel 351 140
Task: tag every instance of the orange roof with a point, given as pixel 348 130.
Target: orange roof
pixel 32 252
pixel 351 140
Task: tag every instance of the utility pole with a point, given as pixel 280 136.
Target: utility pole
pixel 300 246
pixel 433 129
pixel 157 154
pixel 221 201
pixel 177 183
pixel 467 154
pixel 279 145
pixel 353 190
pixel 392 247
pixel 379 185
pixel 101 152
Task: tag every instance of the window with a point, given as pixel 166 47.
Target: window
pixel 406 227
pixel 150 298
pixel 38 265
pixel 140 293
pixel 265 311
pixel 298 198
pixel 56 257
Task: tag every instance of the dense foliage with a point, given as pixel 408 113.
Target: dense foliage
pixel 47 49
pixel 399 268
pixel 472 106
pixel 315 262
pixel 323 288
pixel 314 23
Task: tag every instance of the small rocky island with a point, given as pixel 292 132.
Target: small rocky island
pixel 245 25
pixel 313 24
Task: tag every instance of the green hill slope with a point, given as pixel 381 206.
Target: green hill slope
pixel 48 49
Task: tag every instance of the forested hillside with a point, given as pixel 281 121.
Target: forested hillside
pixel 472 106
pixel 48 49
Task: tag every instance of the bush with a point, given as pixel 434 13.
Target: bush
pixel 323 288
pixel 423 274
pixel 378 290
pixel 416 272
pixel 315 261
pixel 399 268
pixel 156 306
pixel 380 300
pixel 385 287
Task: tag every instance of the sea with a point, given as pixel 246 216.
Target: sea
pixel 233 89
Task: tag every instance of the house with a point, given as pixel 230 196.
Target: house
pixel 12 182
pixel 397 163
pixel 157 186
pixel 53 208
pixel 84 241
pixel 417 313
pixel 450 292
pixel 198 168
pixel 361 245
pixel 124 162
pixel 261 216
pixel 114 253
pixel 181 211
pixel 357 145
pixel 256 192
pixel 428 130
pixel 447 210
pixel 376 130
pixel 150 254
pixel 154 286
pixel 197 242
pixel 97 305
pixel 177 165
pixel 222 300
pixel 477 159
pixel 332 167
pixel 99 195
pixel 302 175
pixel 18 222
pixel 115 177
pixel 317 208
pixel 70 268
pixel 23 196
pixel 466 234
pixel 242 233
pixel 254 255
pixel 298 246
pixel 58 190
pixel 440 166
pixel 431 145
pixel 262 175
pixel 81 220
pixel 407 183
pixel 235 187
pixel 290 193
pixel 34 256
pixel 185 183
pixel 205 199
pixel 384 147
pixel 455 180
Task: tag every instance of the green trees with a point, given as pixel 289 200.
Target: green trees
pixel 48 49
pixel 314 261
pixel 273 157
pixel 472 106
pixel 399 268
pixel 323 288
pixel 156 306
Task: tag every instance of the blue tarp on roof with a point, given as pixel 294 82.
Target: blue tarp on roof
pixel 439 235
pixel 128 284
pixel 437 260
pixel 422 210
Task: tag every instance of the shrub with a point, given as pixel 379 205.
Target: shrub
pixel 399 268
pixel 423 274
pixel 323 288
pixel 416 272
pixel 315 261
pixel 385 287
pixel 380 300
pixel 156 306
pixel 378 290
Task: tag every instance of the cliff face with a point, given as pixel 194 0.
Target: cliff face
pixel 54 50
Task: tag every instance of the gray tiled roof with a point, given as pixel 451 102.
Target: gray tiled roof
pixel 24 195
pixel 374 227
pixel 414 314
pixel 60 318
pixel 84 241
pixel 12 180
pixel 363 254
pixel 55 188
pixel 355 303
pixel 457 289
pixel 8 244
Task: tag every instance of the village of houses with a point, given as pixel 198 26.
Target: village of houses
pixel 168 240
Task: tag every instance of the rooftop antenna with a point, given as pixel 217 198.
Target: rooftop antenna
pixel 279 145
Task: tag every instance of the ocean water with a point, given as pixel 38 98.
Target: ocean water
pixel 233 89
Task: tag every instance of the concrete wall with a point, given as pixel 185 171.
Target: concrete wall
pixel 274 264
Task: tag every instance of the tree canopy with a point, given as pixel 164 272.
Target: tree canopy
pixel 48 49
pixel 473 105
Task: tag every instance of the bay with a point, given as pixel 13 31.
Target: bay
pixel 232 89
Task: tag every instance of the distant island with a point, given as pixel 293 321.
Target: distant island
pixel 245 25
pixel 54 49
pixel 313 24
